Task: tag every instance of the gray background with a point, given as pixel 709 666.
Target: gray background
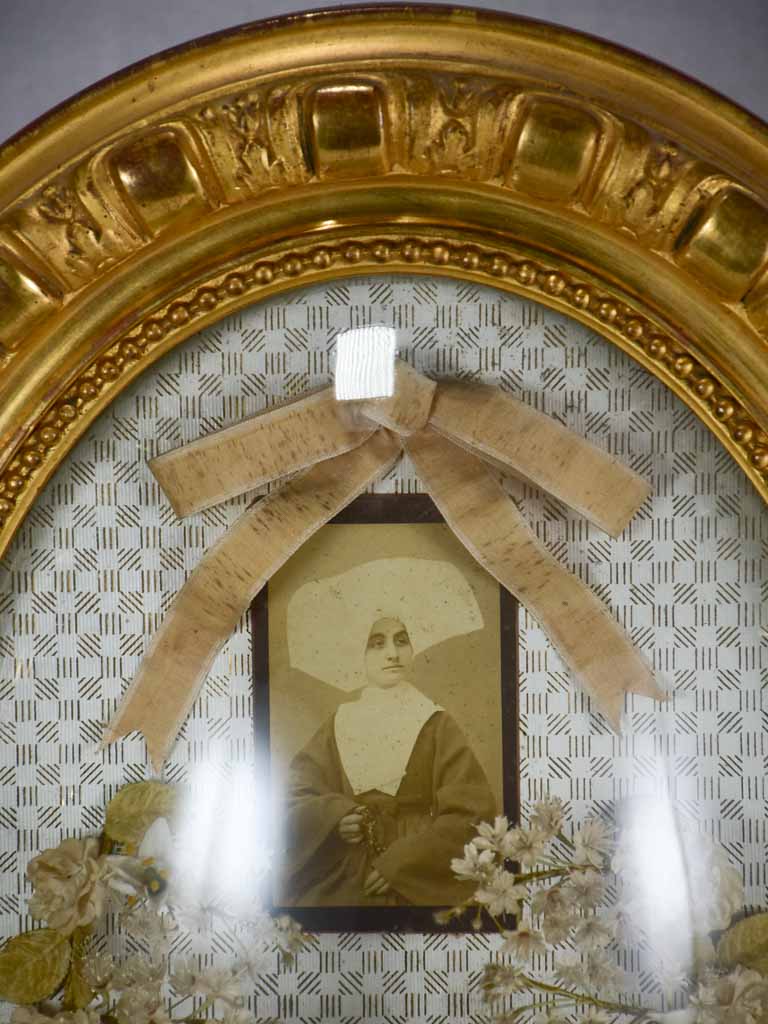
pixel 50 49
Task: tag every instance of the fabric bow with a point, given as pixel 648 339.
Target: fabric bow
pixel 459 437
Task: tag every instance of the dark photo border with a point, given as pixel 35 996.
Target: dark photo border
pixel 393 508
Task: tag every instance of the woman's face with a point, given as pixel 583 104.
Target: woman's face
pixel 388 653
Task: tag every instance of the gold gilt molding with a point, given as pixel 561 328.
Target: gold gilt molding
pixel 395 139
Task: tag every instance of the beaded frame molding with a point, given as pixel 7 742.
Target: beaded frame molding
pixel 422 139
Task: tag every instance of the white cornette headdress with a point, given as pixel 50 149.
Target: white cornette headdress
pixel 329 620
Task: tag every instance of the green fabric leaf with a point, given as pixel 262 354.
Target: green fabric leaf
pixel 746 942
pixel 33 965
pixel 77 992
pixel 133 809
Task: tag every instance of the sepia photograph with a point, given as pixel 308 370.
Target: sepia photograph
pixel 386 708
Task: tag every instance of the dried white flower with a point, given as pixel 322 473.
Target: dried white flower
pixel 592 842
pixel 523 943
pixel 97 970
pixel 138 1005
pixel 557 929
pixel 500 980
pixel 622 924
pixel 585 888
pixel 491 837
pixel 594 971
pixel 154 928
pixel 259 961
pixel 219 983
pixel 138 972
pixel 525 845
pixel 592 933
pixel 601 974
pixel 475 866
pixel 195 918
pixel 548 816
pixel 289 935
pixel 673 977
pixel 69 892
pixel 570 970
pixel 555 908
pixel 183 978
pixel 553 899
pixel 499 893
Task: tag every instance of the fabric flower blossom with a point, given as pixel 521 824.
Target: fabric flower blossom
pixel 145 875
pixel 68 887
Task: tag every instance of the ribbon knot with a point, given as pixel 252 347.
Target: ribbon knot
pixel 459 437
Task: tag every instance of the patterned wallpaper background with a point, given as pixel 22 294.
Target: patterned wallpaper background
pixel 101 555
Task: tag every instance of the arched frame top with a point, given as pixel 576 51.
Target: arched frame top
pixel 426 139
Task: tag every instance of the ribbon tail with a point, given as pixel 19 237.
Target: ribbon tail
pixel 274 444
pixel 592 644
pixel 517 439
pixel 211 602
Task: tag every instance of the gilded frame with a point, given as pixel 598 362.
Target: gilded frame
pixel 433 140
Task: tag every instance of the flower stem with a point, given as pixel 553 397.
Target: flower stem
pixel 638 1012
pixel 560 871
pixel 537 876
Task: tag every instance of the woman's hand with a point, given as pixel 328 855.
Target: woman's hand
pixel 351 826
pixel 375 884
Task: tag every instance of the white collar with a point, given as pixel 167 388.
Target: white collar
pixel 376 733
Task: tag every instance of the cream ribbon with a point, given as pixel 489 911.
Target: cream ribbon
pixel 456 434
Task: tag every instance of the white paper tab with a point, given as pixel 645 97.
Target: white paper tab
pixel 365 363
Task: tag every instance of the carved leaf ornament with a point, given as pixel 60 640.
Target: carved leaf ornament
pixel 459 437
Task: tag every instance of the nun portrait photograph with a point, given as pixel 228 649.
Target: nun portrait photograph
pixel 387 791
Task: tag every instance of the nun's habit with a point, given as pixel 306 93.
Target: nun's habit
pixel 392 751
